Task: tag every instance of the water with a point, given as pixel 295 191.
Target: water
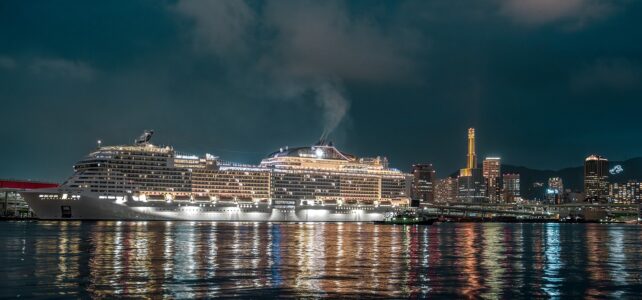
pixel 202 259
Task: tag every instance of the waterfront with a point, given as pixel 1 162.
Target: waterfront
pixel 203 259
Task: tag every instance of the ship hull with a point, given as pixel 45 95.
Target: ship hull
pixel 90 207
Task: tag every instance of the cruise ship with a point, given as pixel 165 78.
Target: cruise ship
pixel 143 181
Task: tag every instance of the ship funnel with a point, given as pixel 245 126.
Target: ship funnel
pixel 145 137
pixel 324 142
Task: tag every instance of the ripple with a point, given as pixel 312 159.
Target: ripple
pixel 217 259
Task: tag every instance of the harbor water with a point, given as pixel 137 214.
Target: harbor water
pixel 47 259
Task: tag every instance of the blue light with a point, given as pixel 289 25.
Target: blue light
pixel 616 170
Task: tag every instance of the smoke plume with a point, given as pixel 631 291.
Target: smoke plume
pixel 300 50
pixel 331 97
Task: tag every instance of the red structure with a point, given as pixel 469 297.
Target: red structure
pixel 25 185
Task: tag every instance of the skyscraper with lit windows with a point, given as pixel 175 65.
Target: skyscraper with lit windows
pixel 511 188
pixel 596 178
pixel 492 174
pixel 423 182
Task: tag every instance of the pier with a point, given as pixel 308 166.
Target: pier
pixel 586 211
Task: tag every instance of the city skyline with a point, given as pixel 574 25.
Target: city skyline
pixel 240 79
pixel 405 149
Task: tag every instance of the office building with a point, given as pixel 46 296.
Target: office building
pixel 625 193
pixel 446 190
pixel 492 175
pixel 555 190
pixel 423 183
pixel 596 185
pixel 511 188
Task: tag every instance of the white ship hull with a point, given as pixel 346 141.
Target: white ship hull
pixel 90 207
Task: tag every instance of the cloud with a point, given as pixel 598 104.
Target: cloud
pixel 221 26
pixel 540 12
pixel 301 50
pixel 57 67
pixel 612 74
pixel 321 38
pixel 7 62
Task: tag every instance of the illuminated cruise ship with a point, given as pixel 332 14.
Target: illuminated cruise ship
pixel 147 182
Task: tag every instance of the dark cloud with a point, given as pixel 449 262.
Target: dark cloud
pixel 613 74
pixel 56 67
pixel 242 78
pixel 321 38
pixel 220 26
pixel 540 12
pixel 302 49
pixel 7 62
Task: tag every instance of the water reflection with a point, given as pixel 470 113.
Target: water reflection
pixel 552 262
pixel 209 259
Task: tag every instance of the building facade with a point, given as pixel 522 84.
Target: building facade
pixel 492 175
pixel 511 188
pixel 446 190
pixel 11 202
pixel 625 193
pixel 423 183
pixel 596 184
pixel 571 196
pixel 555 190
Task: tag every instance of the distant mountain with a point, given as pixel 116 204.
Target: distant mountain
pixel 572 177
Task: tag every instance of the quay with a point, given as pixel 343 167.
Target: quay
pixel 592 212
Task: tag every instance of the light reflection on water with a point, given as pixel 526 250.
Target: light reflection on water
pixel 202 259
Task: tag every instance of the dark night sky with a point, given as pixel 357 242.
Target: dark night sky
pixel 545 82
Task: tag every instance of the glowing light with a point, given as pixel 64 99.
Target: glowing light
pixel 186 156
pixel 616 170
pixel 318 152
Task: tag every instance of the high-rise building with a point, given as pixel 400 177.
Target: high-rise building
pixel 511 188
pixel 446 190
pixel 596 184
pixel 470 183
pixel 555 190
pixel 492 175
pixel 626 193
pixel 423 183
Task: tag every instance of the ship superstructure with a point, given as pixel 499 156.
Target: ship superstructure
pixel 148 182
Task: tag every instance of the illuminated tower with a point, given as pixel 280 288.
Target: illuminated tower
pixel 471 185
pixel 471 158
